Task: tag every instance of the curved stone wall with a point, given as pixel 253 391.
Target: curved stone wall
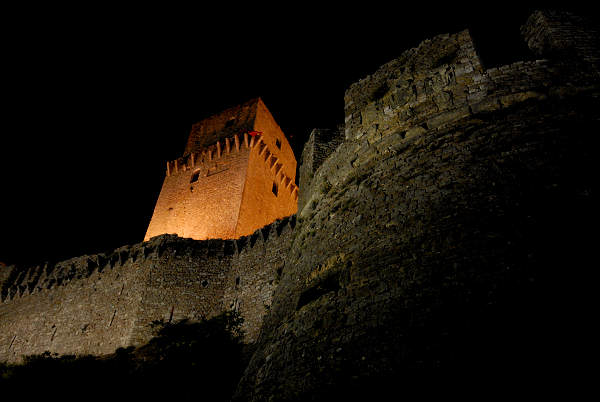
pixel 439 233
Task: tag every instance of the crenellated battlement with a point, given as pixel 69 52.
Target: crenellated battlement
pixel 275 165
pixel 210 154
pixel 424 203
pixel 25 281
pixel 48 276
pixel 97 303
pixel 443 81
pixel 232 145
pixel 237 174
pixel 427 196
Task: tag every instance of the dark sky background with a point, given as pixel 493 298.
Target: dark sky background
pixel 95 101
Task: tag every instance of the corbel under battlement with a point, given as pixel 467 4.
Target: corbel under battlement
pixel 209 154
pixel 234 145
pixel 275 166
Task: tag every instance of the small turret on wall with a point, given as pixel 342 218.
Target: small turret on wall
pixel 557 35
pixel 320 145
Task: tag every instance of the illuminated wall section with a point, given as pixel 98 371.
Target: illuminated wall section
pixel 228 183
pixel 270 192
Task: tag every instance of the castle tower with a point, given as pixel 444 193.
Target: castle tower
pixel 237 174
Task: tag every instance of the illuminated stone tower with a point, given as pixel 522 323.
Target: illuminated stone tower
pixel 237 174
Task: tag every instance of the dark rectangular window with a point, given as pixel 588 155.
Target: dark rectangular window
pixel 274 189
pixel 278 144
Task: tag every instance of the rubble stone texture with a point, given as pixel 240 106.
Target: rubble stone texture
pixel 441 229
pixel 446 234
pixel 96 304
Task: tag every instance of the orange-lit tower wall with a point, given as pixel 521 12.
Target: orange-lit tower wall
pixel 228 183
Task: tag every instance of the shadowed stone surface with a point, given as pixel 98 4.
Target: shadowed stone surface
pixel 440 233
pixel 441 241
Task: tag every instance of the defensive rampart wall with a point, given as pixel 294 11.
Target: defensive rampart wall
pixel 82 305
pixel 256 271
pixel 433 240
pixel 96 304
pixel 435 236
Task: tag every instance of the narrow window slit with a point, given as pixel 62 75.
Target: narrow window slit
pixel 195 176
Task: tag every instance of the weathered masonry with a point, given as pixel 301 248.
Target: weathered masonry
pixel 438 228
pixel 448 232
pixel 98 303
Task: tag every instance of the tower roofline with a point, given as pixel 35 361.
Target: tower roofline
pixel 231 121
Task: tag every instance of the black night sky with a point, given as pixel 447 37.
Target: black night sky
pixel 95 101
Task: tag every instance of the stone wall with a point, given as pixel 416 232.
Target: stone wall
pixel 186 279
pixel 444 226
pixel 424 88
pixel 445 234
pixel 96 304
pixel 562 34
pixel 5 273
pixel 320 145
pixel 255 273
pixel 82 305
